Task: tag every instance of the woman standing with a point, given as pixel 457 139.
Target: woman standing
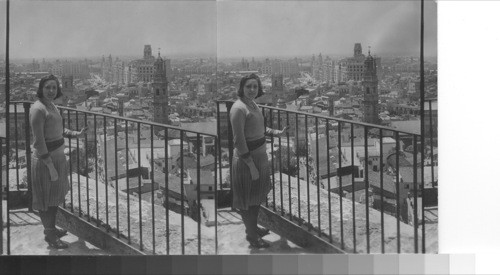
pixel 250 165
pixel 49 169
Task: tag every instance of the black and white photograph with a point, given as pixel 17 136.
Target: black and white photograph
pixel 219 127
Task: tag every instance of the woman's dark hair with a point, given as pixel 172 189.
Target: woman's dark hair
pixel 243 82
pixel 44 79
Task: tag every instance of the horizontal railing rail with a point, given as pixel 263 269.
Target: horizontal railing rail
pixel 367 178
pixel 135 177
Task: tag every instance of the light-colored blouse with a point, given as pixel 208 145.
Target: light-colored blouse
pixel 47 125
pixel 248 125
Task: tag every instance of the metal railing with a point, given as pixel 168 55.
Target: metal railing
pixel 351 159
pixel 120 160
pixel 4 197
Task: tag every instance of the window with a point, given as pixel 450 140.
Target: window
pixel 157 91
pixel 210 188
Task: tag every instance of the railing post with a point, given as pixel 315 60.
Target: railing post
pixel 229 104
pixel 1 198
pixel 27 106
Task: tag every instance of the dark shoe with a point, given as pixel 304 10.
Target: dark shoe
pixel 257 242
pixel 262 231
pixel 56 243
pixel 61 232
pixel 51 237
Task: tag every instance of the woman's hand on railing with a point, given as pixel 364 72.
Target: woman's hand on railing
pixel 280 133
pixel 82 132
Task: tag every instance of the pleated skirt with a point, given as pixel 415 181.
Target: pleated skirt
pixel 245 191
pixel 46 192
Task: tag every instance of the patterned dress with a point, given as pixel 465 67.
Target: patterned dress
pixel 247 123
pixel 47 126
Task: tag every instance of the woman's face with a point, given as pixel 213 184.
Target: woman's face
pixel 251 88
pixel 50 90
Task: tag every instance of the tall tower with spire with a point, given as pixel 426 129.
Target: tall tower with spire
pixel 370 91
pixel 277 89
pixel 148 54
pixel 67 89
pixel 358 51
pixel 160 92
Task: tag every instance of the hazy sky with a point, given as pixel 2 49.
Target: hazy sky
pixel 94 28
pixel 297 27
pixel 227 28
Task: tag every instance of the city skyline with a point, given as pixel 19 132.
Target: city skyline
pixel 227 29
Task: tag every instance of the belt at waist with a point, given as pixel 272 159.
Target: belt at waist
pixel 254 144
pixel 53 145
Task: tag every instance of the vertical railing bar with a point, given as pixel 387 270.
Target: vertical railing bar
pixel 298 165
pixel 167 193
pixel 272 160
pixel 219 143
pixel 152 161
pixel 367 206
pixel 215 195
pixel 307 176
pixel 353 190
pixel 116 180
pixel 1 196
pixel 327 125
pixel 87 166
pixel 318 177
pixel 17 144
pixel 106 171
pixel 432 144
pixel 61 112
pixel 127 180
pixel 27 145
pixel 198 170
pixel 341 191
pixel 382 190
pixel 70 162
pixel 78 168
pixel 182 189
pixel 422 187
pixel 7 119
pixel 140 182
pixel 96 173
pixel 230 145
pixel 280 165
pixel 288 163
pixel 415 191
pixel 265 127
pixel 422 97
pixel 7 153
pixel 398 215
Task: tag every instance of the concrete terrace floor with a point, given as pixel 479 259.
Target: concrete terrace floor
pixel 27 238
